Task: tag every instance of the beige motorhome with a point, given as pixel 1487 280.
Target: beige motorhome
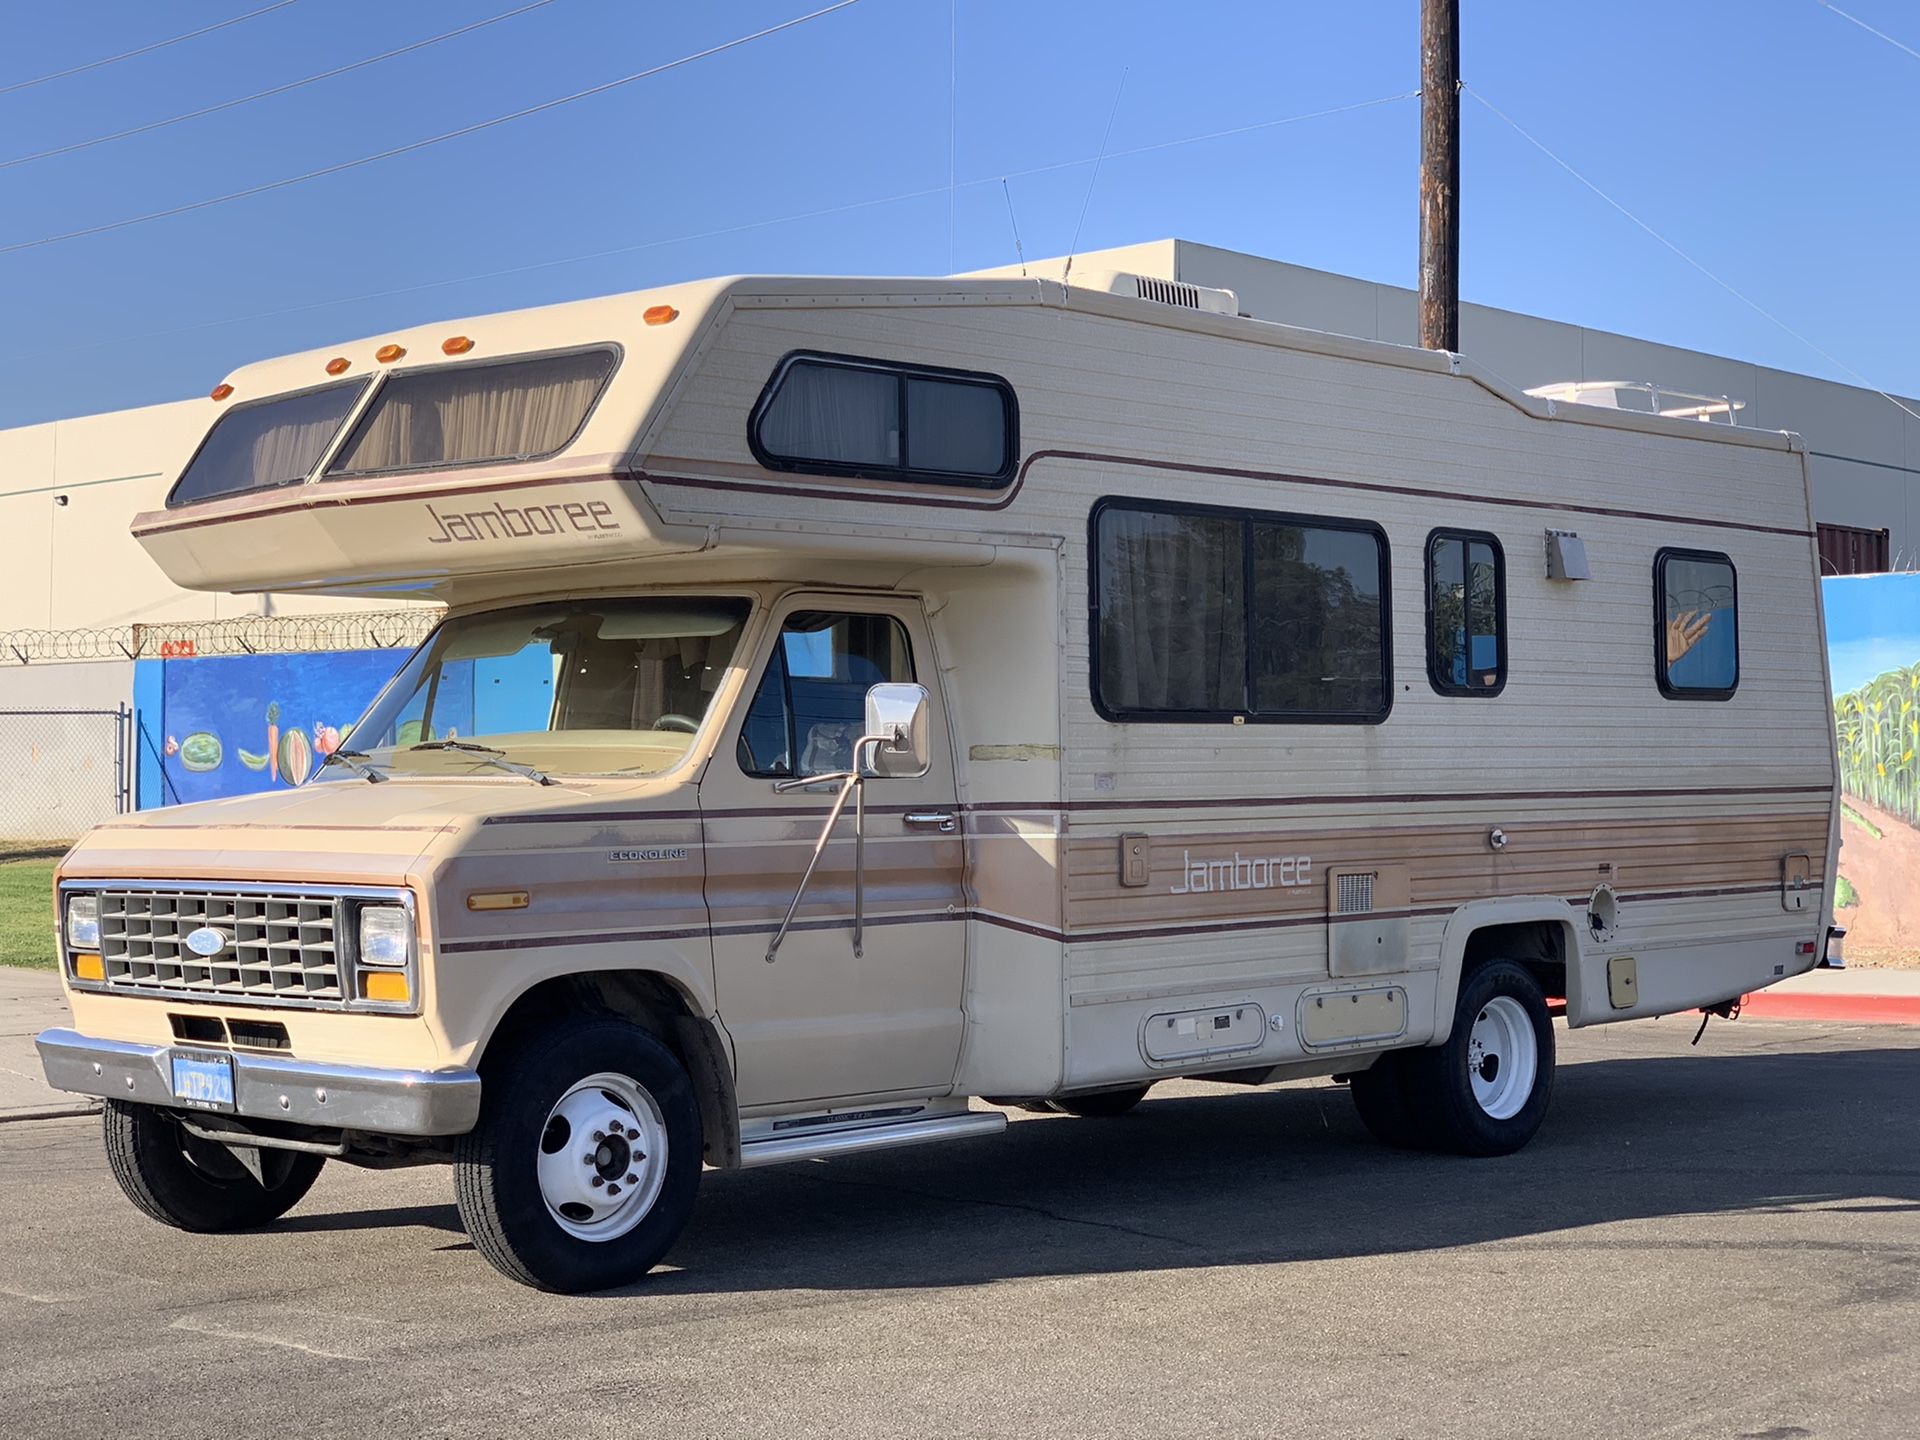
pixel 861 697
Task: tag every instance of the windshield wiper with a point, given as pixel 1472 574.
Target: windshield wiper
pixel 357 761
pixel 486 755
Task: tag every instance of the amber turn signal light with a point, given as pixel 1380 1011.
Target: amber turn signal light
pixel 220 391
pixel 388 986
pixel 659 314
pixel 498 900
pixel 387 354
pixel 455 345
pixel 88 967
pixel 338 365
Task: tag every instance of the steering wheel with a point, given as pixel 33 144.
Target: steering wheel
pixel 677 722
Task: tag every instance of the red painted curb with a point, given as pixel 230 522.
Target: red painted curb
pixel 1848 1009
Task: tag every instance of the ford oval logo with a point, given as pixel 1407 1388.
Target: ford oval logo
pixel 206 941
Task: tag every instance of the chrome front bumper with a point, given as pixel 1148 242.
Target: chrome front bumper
pixel 302 1092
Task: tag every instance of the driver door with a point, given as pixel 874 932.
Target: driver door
pixel 820 1023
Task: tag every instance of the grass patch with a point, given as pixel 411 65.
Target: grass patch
pixel 1847 812
pixel 26 913
pixel 1845 897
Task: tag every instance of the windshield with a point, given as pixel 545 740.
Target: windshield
pixel 567 687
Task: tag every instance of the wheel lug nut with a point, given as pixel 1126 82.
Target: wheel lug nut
pixel 599 1135
pixel 613 1190
pixel 632 1179
pixel 596 1182
pixel 633 1134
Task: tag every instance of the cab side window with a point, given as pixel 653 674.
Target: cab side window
pixel 811 701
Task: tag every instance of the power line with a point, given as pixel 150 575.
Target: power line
pixel 1855 19
pixel 816 214
pixel 431 140
pixel 1727 286
pixel 274 90
pixel 143 50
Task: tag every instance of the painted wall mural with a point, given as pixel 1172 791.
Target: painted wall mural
pixel 235 725
pixel 1873 649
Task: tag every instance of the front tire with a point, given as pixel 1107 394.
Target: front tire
pixel 1485 1091
pixel 199 1185
pixel 583 1168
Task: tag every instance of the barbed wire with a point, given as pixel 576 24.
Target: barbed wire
pixel 240 635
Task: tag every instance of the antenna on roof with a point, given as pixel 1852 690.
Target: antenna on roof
pixel 1094 179
pixel 1012 220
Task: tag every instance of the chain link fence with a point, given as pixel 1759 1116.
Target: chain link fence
pixel 61 771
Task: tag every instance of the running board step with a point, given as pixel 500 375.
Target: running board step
pixel 819 1144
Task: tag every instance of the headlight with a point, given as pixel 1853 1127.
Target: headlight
pixel 83 922
pixel 386 935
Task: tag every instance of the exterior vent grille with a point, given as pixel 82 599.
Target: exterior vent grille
pixel 1353 894
pixel 274 949
pixel 1168 292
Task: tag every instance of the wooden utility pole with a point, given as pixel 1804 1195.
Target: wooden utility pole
pixel 1440 174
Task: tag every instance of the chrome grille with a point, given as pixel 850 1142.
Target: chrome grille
pixel 281 946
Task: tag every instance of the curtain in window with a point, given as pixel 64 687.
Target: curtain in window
pixel 834 413
pixel 287 451
pixel 1172 612
pixel 463 415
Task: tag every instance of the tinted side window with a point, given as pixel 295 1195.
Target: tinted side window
pixel 1319 647
pixel 266 443
pixel 1466 613
pixel 807 711
pixel 469 413
pixel 844 415
pixel 1172 631
pixel 1201 613
pixel 1696 625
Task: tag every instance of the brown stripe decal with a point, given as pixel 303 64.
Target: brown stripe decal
pixel 1230 472
pixel 1055 807
pixel 1044 932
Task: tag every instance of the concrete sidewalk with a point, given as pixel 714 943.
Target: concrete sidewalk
pixel 30 1001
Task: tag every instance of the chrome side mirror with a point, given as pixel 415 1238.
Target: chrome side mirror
pixel 897 719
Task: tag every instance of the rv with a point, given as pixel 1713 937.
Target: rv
pixel 867 705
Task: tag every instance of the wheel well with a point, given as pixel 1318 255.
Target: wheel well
pixel 1539 945
pixel 657 1005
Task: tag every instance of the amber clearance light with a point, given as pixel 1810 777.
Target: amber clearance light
pixel 338 365
pixel 659 314
pixel 455 345
pixel 387 354
pixel 220 391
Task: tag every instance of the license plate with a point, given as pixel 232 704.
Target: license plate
pixel 204 1082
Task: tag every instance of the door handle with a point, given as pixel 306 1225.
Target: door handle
pixel 941 820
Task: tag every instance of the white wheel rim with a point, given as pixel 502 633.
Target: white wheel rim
pixel 1503 1057
pixel 601 1157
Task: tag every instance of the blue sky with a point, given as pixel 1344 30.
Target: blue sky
pixel 1873 626
pixel 1771 140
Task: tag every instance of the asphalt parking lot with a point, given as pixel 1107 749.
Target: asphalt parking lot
pixel 1714 1242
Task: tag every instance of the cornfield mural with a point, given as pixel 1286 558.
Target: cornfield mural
pixel 1878 730
pixel 1873 650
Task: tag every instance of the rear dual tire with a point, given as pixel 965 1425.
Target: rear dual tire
pixel 1485 1090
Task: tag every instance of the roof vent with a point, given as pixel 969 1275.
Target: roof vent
pixel 1646 398
pixel 1164 292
